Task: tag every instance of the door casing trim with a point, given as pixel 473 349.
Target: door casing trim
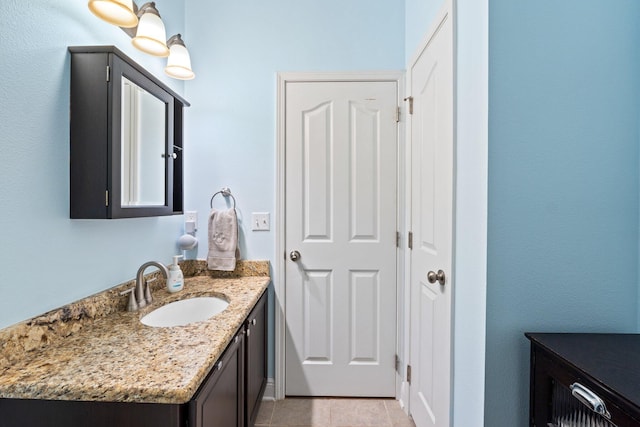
pixel 279 278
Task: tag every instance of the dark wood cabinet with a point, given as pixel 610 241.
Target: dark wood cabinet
pixel 58 413
pixel 219 401
pixel 256 360
pixel 229 396
pixel 126 138
pixel 585 380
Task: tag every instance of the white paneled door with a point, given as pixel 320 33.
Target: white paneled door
pixel 431 87
pixel 340 237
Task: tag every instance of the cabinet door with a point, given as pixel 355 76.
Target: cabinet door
pixel 220 400
pixel 256 358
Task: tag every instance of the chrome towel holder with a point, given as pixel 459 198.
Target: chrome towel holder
pixel 226 192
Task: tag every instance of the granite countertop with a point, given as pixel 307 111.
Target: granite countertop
pixel 116 358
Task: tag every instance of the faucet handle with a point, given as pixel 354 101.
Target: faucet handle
pixel 147 291
pixel 132 305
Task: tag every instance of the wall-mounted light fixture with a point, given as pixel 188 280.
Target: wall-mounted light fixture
pixel 150 35
pixel 116 12
pixel 179 61
pixel 146 29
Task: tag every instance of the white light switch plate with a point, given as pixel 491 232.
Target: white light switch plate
pixel 191 216
pixel 260 221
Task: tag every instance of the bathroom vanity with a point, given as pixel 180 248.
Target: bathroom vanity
pixel 116 371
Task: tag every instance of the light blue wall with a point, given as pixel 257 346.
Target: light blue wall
pixel 49 260
pixel 564 104
pixel 239 48
pixel 419 14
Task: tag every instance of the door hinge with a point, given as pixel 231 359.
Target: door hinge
pixel 106 198
pixel 108 73
pixel 398 114
pixel 397 365
pixel 410 99
pixel 410 240
pixel 409 374
pixel 397 239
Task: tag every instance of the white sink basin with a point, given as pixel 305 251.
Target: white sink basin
pixel 184 312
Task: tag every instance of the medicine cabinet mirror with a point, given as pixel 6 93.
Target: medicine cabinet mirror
pixel 126 138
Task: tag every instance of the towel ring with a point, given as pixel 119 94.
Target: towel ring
pixel 226 192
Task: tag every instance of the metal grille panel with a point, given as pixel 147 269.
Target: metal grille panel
pixel 567 411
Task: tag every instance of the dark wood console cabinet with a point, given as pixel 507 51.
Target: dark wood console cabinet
pixel 602 370
pixel 229 396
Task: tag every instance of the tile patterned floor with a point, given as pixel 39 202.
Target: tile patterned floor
pixel 333 412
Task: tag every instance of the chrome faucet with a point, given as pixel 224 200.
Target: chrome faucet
pixel 143 296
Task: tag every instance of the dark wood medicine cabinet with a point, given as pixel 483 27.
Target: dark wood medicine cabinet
pixel 126 130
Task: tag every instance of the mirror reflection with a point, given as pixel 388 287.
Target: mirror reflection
pixel 143 147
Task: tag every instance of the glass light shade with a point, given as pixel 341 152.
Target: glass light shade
pixel 116 12
pixel 179 63
pixel 151 35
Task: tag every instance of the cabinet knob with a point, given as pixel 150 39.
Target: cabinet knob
pixel 253 322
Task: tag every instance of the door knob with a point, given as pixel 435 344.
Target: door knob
pixel 294 255
pixel 436 277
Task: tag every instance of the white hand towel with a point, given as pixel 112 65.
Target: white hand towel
pixel 223 240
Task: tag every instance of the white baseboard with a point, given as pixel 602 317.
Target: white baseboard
pixel 270 390
pixel 403 398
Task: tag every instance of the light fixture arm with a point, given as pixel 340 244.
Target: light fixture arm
pixel 149 7
pixel 175 39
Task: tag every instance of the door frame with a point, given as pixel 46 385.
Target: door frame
pixel 279 268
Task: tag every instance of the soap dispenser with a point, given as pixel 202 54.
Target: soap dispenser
pixel 175 281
